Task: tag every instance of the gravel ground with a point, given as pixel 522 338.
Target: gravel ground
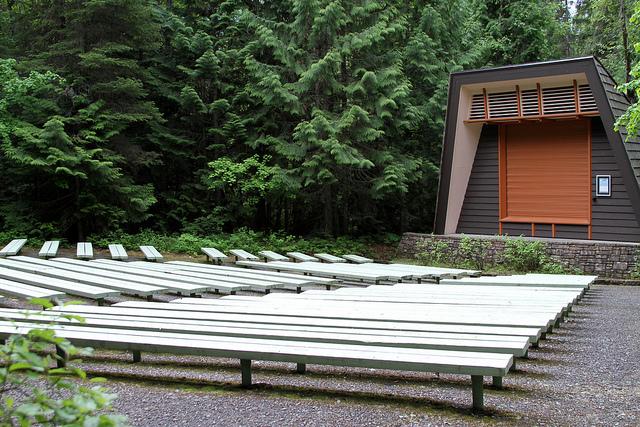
pixel 586 373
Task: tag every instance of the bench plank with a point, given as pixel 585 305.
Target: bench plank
pixel 118 252
pixel 84 250
pixel 300 257
pixel 49 249
pixel 213 254
pixel 357 259
pixel 324 257
pixel 151 253
pixel 273 256
pixel 240 254
pixel 13 248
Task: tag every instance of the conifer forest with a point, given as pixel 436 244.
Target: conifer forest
pixel 310 117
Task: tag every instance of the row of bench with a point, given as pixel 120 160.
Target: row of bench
pixel 84 250
pixel 27 277
pixel 467 329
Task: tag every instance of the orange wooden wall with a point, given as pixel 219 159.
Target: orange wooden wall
pixel 545 172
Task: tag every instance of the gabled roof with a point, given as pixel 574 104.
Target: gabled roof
pixel 611 105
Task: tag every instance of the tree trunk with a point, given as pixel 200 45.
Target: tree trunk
pixel 327 199
pixel 625 41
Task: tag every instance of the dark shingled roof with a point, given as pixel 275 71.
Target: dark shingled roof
pixel 619 103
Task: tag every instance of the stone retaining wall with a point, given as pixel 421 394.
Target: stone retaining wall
pixel 605 259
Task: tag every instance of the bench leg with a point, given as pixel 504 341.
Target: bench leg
pixel 477 392
pixel 513 365
pixel 245 367
pixel 137 356
pixel 301 368
pixel 328 287
pixel 298 289
pixel 61 360
pixel 149 298
pixel 497 382
pixel 267 291
pixel 100 302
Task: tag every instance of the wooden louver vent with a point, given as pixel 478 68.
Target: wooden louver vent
pixel 533 103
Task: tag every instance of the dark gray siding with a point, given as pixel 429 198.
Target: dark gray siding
pixel 613 218
pixel 480 208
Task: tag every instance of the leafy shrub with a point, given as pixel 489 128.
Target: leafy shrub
pixel 473 253
pixel 525 255
pixel 34 393
pixel 435 252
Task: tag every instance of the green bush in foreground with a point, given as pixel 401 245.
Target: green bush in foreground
pixel 35 393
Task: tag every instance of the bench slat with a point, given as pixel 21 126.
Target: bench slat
pixel 13 248
pixel 329 258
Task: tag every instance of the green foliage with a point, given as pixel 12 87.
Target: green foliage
pixel 630 120
pixel 246 239
pixel 436 252
pixel 524 255
pixel 205 117
pixel 474 253
pixel 35 393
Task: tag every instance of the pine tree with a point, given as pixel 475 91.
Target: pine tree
pixel 332 78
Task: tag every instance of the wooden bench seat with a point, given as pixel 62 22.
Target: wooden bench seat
pixel 516 346
pixel 474 364
pixel 151 254
pixel 332 259
pixel 13 248
pixel 540 321
pixel 213 254
pixel 544 318
pixel 300 257
pixel 169 311
pixel 68 287
pixel 169 284
pixel 51 270
pixel 84 250
pixel 118 252
pixel 49 249
pixel 11 288
pixel 243 255
pixel 236 275
pixel 87 267
pixel 273 256
pixel 191 266
pixel 307 268
pixel 357 259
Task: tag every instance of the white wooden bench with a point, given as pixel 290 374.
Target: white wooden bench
pixel 273 256
pixel 243 255
pixel 247 272
pixel 329 258
pixel 49 249
pixel 11 288
pixel 171 313
pixel 474 364
pixel 68 287
pixel 220 282
pixel 84 250
pixel 51 270
pixel 213 254
pixel 533 320
pixel 151 253
pixel 323 270
pixel 300 257
pixel 357 259
pixel 168 284
pixel 118 252
pixel 286 281
pixel 13 248
pixel 515 345
pixel 521 280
